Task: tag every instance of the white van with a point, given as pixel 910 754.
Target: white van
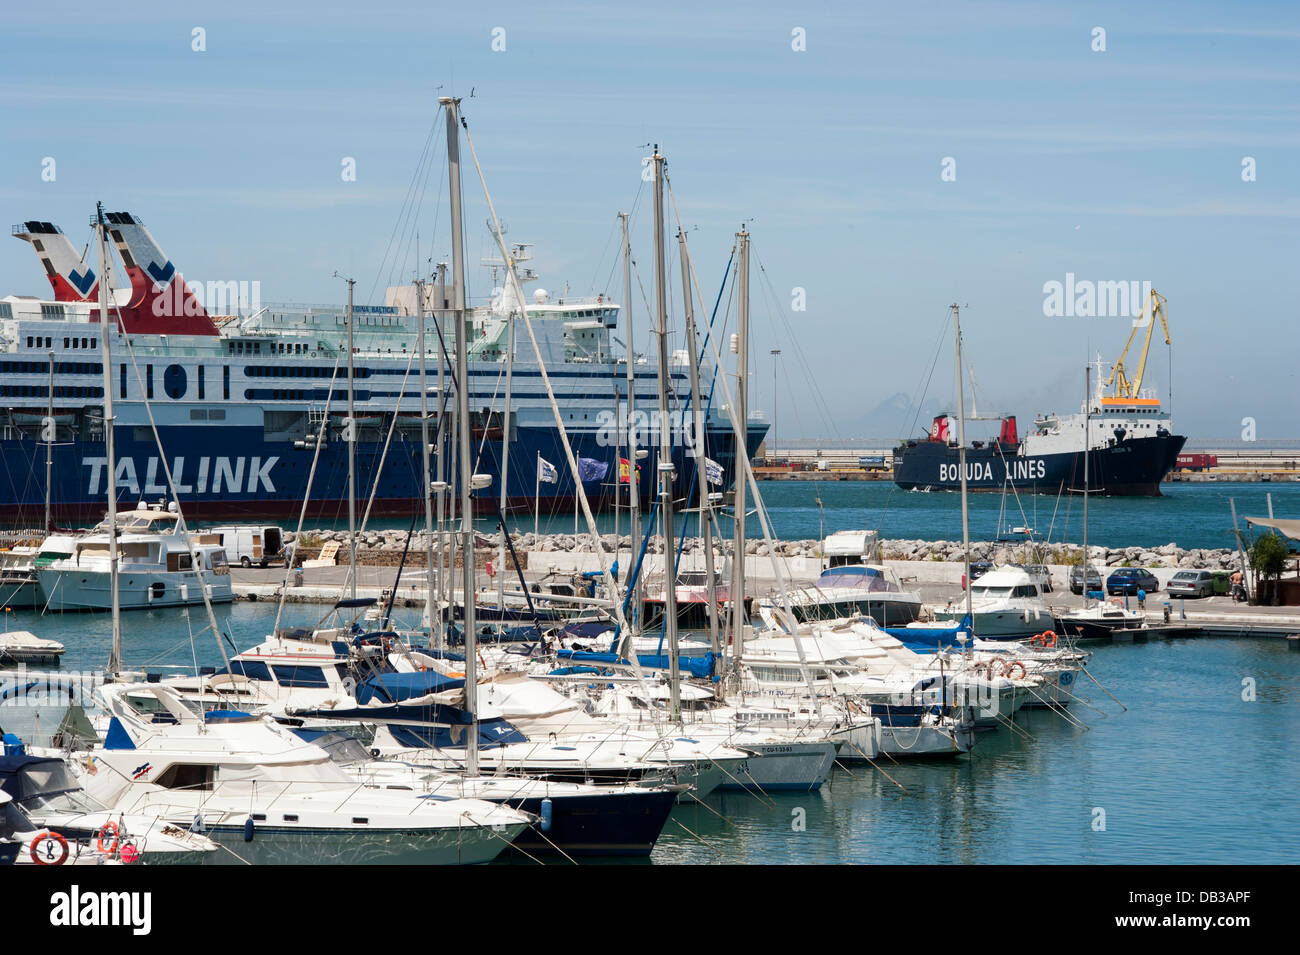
pixel 247 545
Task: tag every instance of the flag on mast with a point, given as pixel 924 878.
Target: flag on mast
pixel 624 471
pixel 546 471
pixel 589 469
pixel 712 471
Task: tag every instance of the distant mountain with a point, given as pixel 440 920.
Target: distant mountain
pixel 894 418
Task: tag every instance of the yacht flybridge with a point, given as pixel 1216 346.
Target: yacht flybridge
pixel 159 565
pixel 270 796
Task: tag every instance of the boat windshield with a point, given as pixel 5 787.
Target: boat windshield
pixel 990 592
pixel 13 820
pixel 48 786
pixel 343 748
pixel 864 578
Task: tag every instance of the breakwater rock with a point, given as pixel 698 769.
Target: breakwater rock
pixel 380 546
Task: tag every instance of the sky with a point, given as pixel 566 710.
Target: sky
pixel 888 159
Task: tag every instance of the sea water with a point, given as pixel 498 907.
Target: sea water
pixel 1193 764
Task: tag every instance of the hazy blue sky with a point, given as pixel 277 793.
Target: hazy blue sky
pixel 1117 165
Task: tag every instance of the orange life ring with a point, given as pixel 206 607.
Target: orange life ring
pixel 99 838
pixel 44 836
pixel 1011 666
pixel 1049 639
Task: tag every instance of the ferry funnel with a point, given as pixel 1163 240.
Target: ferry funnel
pixel 72 278
pixel 160 302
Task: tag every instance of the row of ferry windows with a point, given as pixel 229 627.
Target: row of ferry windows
pixel 43 368
pixel 43 391
pixel 34 341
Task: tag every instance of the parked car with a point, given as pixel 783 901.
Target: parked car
pixel 1076 579
pixel 1191 583
pixel 1129 580
pixel 978 568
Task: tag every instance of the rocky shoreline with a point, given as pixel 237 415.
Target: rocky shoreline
pixel 389 544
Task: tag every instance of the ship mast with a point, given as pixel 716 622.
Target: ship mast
pixel 742 451
pixel 463 428
pixel 665 445
pixel 1087 442
pixel 427 492
pixel 350 432
pixel 961 464
pixel 633 490
pixel 701 456
pixel 106 355
pixel 50 430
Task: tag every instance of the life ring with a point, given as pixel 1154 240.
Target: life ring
pixel 1116 602
pixel 313 354
pixel 1011 666
pixel 1049 639
pixel 44 836
pixel 99 838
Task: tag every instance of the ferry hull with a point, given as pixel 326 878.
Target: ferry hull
pixel 1134 467
pixel 236 473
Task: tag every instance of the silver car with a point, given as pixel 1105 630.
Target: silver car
pixel 1191 583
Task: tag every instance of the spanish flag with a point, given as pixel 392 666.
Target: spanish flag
pixel 624 471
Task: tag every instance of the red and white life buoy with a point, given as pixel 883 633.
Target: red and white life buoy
pixel 49 848
pixel 111 848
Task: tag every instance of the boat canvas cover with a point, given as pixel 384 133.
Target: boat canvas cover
pixel 424 726
pixel 396 687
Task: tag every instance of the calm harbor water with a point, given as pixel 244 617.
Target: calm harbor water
pixel 1189 515
pixel 1190 772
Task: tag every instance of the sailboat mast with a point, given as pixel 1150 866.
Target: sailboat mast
pixel 665 445
pixel 463 425
pixel 351 432
pixel 427 492
pixel 742 450
pixel 106 355
pixel 50 431
pixel 1087 441
pixel 961 464
pixel 435 611
pixel 505 462
pixel 633 490
pixel 701 450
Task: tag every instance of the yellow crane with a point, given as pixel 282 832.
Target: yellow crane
pixel 1153 308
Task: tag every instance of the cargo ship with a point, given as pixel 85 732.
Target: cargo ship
pixel 1128 439
pixel 240 396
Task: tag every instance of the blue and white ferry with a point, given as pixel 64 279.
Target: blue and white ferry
pixel 239 394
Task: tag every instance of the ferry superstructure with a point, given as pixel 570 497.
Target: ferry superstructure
pixel 1125 436
pixel 238 400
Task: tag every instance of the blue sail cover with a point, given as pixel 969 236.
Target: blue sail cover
pixel 427 726
pixel 701 666
pixel 395 687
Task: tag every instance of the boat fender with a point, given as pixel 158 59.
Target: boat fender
pixel 129 853
pixel 548 814
pixel 248 829
pixel 111 849
pixel 44 838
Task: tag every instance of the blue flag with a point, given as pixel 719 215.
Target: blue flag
pixel 589 469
